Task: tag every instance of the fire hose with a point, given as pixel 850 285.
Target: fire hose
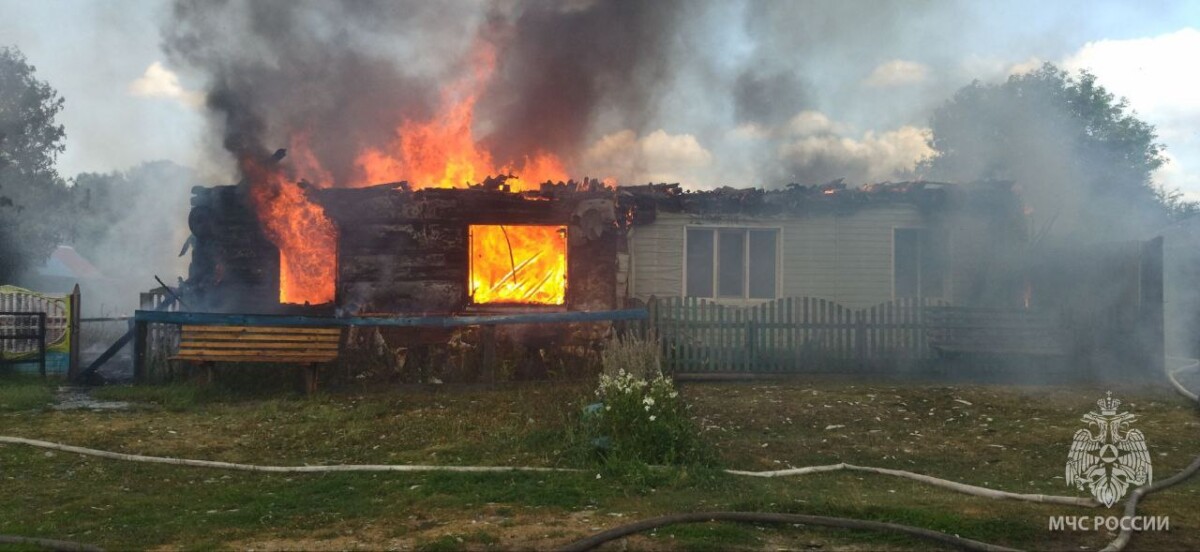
pixel 1117 545
pixel 1131 504
pixel 595 540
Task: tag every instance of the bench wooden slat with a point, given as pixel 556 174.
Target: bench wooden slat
pixel 283 346
pixel 206 336
pixel 274 359
pixel 189 353
pixel 307 346
pixel 242 353
pixel 261 330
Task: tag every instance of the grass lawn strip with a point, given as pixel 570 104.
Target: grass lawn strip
pixel 928 429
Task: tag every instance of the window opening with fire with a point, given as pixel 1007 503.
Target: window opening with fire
pixel 521 264
pixel 732 263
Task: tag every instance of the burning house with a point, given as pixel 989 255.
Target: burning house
pixel 386 205
pixel 784 279
pixel 395 250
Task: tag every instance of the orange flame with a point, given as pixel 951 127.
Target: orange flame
pixel 442 152
pixel 519 264
pixel 437 153
pixel 306 238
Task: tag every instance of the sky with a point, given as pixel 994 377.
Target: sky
pixel 867 90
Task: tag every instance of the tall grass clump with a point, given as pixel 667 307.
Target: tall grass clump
pixel 21 392
pixel 640 419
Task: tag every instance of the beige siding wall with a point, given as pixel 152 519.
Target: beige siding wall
pixel 656 257
pixel 846 258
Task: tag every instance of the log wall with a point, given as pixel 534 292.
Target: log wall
pixel 234 267
pixel 407 252
pixel 399 251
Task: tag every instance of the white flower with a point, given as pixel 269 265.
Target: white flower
pixel 648 400
pixel 674 394
pixel 647 408
pixel 652 417
pixel 597 476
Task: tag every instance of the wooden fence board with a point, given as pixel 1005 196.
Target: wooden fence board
pixel 796 334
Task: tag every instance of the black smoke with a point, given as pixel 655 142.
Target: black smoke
pixel 343 76
pixel 563 65
pixel 333 74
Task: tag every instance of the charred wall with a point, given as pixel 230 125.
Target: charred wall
pixel 234 267
pixel 398 251
pixel 402 251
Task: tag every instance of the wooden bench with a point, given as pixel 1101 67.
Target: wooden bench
pixel 307 347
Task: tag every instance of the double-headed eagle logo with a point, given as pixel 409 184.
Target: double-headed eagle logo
pixel 1108 462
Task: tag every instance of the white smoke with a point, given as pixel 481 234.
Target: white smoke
pixel 655 157
pixel 160 82
pixel 897 72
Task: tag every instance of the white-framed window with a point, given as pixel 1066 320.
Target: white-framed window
pixel 919 262
pixel 731 262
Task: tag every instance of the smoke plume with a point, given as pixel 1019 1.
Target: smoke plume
pixel 342 78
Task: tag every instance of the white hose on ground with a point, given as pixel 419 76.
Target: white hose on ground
pixel 1118 544
pixel 1172 375
pixel 272 469
pixel 943 483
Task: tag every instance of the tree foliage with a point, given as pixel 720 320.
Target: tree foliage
pixel 132 223
pixel 1081 159
pixel 31 192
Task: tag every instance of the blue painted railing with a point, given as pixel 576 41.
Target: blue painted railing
pixel 143 318
pixel 220 319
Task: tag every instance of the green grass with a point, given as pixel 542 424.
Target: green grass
pixel 923 428
pixel 19 393
pixel 712 536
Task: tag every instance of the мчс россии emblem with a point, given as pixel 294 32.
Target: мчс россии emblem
pixel 1109 461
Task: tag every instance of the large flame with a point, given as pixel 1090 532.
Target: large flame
pixel 437 153
pixel 442 152
pixel 519 264
pixel 306 238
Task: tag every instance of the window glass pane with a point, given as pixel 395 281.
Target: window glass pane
pixel 762 264
pixel 933 263
pixel 904 262
pixel 699 262
pixel 731 249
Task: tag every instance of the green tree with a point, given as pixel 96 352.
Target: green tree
pixel 31 191
pixel 1081 159
pixel 133 223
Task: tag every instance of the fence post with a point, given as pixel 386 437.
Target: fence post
pixel 751 349
pixel 487 334
pixel 652 328
pixel 41 322
pixel 139 351
pixel 75 305
pixel 860 337
pixel 650 325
